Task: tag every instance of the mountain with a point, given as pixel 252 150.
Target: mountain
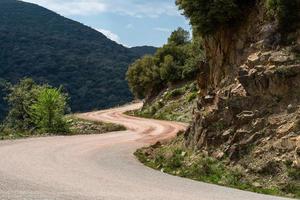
pixel 38 43
pixel 143 50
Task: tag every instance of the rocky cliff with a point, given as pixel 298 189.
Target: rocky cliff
pixel 249 100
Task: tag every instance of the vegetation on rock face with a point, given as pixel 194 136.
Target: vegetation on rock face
pixel 209 16
pixel 245 131
pixel 166 79
pixel 51 49
pixel 176 61
pixel 174 158
pixel 287 13
pixel 85 127
pixel 174 104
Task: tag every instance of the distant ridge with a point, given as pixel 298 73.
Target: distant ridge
pixel 38 43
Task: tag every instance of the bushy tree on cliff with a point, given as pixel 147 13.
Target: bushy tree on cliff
pixel 179 37
pixel 286 11
pixel 176 61
pixel 142 76
pixel 208 16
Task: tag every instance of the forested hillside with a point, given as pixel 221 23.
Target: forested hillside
pixel 41 44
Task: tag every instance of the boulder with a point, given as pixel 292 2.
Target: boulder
pixel 245 117
pixel 253 59
pixel 208 99
pixel 280 57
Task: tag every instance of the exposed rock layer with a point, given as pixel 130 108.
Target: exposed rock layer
pixel 249 99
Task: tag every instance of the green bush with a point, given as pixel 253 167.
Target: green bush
pixel 175 93
pixel 178 60
pixel 286 11
pixel 33 109
pixel 143 76
pixel 48 111
pixel 294 173
pixel 208 16
pixel 176 160
pixel 192 96
pixel 20 97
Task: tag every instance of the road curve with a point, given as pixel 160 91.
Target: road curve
pixel 100 167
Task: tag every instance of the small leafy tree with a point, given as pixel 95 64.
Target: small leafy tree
pixel 179 37
pixel 286 11
pixel 168 70
pixel 20 98
pixel 177 60
pixel 207 16
pixel 49 109
pixel 142 76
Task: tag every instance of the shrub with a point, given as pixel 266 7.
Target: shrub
pixel 175 93
pixel 176 61
pixel 207 16
pixel 20 97
pixel 191 96
pixel 286 11
pixel 294 173
pixel 143 76
pixel 49 109
pixel 179 37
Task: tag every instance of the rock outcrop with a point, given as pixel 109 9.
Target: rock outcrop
pixel 249 101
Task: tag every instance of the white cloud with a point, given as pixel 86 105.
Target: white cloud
pixel 141 9
pixel 166 30
pixel 133 8
pixel 129 26
pixel 110 35
pixel 72 7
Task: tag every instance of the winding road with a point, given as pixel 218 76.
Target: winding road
pixel 100 167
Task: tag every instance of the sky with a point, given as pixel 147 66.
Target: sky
pixel 128 22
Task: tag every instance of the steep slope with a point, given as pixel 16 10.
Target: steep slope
pixel 38 43
pixel 246 128
pixel 143 50
pixel 174 103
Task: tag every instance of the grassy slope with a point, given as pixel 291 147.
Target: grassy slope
pixel 175 159
pixel 76 127
pixel 174 104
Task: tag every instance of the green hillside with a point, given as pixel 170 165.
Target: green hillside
pixel 38 43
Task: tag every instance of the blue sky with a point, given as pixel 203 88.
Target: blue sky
pixel 128 22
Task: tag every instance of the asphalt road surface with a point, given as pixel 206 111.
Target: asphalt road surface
pixel 100 167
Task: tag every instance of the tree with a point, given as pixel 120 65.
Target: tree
pixel 287 13
pixel 142 76
pixel 196 57
pixel 177 60
pixel 208 16
pixel 20 98
pixel 168 70
pixel 49 109
pixel 179 37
